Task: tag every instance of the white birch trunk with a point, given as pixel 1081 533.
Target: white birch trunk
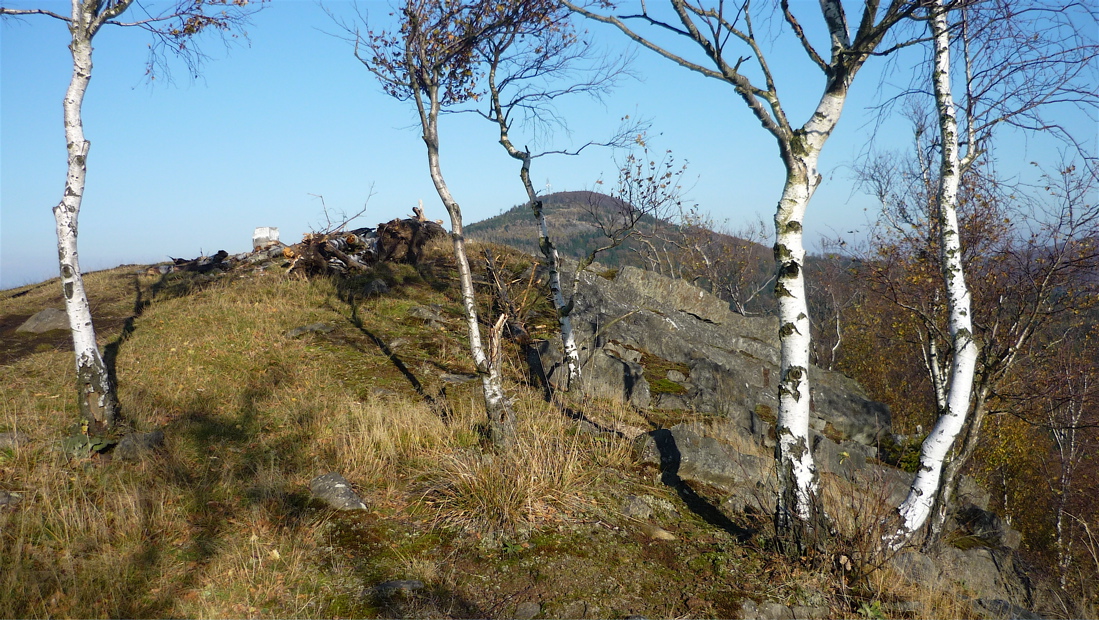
pixel 797 471
pixel 545 244
pixel 98 399
pixel 916 508
pixel 501 420
pixel 568 337
pixel 798 476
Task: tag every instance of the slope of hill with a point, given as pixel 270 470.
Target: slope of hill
pixel 261 382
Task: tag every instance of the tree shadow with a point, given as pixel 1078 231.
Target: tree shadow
pixel 437 404
pixel 228 487
pixel 669 475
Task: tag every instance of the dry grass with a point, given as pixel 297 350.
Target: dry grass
pixel 219 522
pixel 542 480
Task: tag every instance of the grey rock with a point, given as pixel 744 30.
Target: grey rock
pixel 887 483
pixel 425 313
pixel 987 527
pixel 915 567
pixel 1004 610
pixel 450 377
pixel 375 287
pixel 45 321
pixel 313 328
pixel 986 572
pixel 578 609
pixel 617 378
pixel 750 610
pixel 676 376
pixel 334 490
pixel 805 612
pixel 9 500
pixel 732 360
pixel 635 507
pixel 13 439
pixel 682 453
pixel 135 445
pixel 527 611
pixel 843 459
pixel 969 491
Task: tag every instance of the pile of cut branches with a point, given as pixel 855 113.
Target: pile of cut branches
pixel 340 252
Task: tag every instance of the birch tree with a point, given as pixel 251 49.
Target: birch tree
pixel 172 30
pixel 727 38
pixel 1015 87
pixel 431 61
pixel 954 400
pixel 532 62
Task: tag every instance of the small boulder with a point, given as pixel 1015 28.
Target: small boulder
pixel 429 315
pixel 637 508
pixel 375 287
pixel 987 527
pixel 45 321
pixel 334 490
pixel 395 587
pixel 456 378
pixel 527 611
pixel 9 500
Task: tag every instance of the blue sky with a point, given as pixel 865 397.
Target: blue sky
pixel 190 167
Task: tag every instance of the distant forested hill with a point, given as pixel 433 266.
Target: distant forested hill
pixel 572 227
pixel 661 245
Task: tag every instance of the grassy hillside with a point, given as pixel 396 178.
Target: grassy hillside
pixel 220 523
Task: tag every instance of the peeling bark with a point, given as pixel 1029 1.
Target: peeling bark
pixel 798 477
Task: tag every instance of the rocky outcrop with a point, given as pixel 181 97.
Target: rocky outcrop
pixel 663 343
pixel 660 343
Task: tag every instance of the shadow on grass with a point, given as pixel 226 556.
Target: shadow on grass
pixel 232 476
pixel 437 404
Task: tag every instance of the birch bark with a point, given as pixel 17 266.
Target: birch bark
pixel 545 244
pixel 715 32
pixel 916 508
pixel 501 420
pixel 97 394
pixel 798 476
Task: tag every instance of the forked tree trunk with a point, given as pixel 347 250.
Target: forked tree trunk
pixel 97 396
pixel 916 508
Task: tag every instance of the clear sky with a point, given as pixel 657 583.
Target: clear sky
pixel 194 166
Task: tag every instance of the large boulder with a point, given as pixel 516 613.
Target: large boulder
pixel 44 321
pixel 663 343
